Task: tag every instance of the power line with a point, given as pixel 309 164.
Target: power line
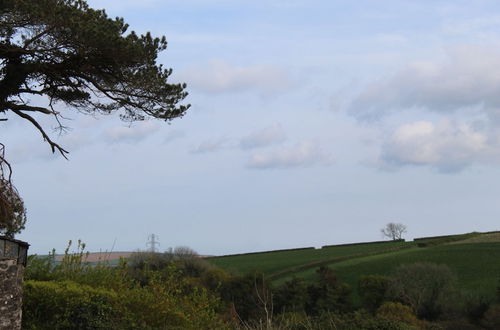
pixel 153 242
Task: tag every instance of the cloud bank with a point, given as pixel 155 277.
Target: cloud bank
pixel 446 146
pixel 468 76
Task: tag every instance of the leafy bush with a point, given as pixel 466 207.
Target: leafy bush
pixel 372 290
pixel 395 311
pixel 328 294
pixel 77 295
pixel 291 296
pixel 475 305
pixel 185 259
pixel 429 289
pixel 67 305
pixel 249 296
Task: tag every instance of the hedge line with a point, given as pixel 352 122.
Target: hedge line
pixel 362 243
pixel 262 252
pixel 68 305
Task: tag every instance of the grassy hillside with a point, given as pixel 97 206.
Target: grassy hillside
pixel 474 257
pixel 476 265
pixel 271 262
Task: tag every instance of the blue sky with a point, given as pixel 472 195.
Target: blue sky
pixel 312 123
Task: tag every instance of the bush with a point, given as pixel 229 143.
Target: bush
pixel 291 296
pixel 475 305
pixel 78 295
pixel 395 311
pixel 372 290
pixel 429 289
pixel 329 294
pixel 249 296
pixel 67 305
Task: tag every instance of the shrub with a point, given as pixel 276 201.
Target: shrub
pixel 429 289
pixel 291 296
pixel 328 294
pixel 475 305
pixel 248 296
pixel 395 311
pixel 82 296
pixel 67 305
pixel 372 290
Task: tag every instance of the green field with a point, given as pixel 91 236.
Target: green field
pixel 271 263
pixel 475 258
pixel 477 266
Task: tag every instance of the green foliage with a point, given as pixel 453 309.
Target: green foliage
pixel 186 260
pixel 67 305
pixel 291 296
pixel 372 290
pixel 72 267
pixel 475 305
pixel 463 259
pixel 334 321
pixel 395 311
pixel 429 289
pixel 248 296
pixel 117 301
pixel 328 294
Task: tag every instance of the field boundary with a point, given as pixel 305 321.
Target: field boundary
pixel 364 243
pixel 262 252
pixel 334 260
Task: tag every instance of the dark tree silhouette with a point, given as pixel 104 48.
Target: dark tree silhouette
pixel 394 231
pixel 63 51
pixel 70 53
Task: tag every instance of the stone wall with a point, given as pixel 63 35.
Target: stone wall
pixel 11 277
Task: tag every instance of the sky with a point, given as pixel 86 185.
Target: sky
pixel 311 123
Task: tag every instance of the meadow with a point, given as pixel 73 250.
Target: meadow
pixel 273 263
pixel 473 257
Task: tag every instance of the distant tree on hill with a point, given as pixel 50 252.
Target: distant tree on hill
pixel 393 230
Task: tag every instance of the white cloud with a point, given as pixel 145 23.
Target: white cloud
pixel 264 137
pixel 467 77
pixel 447 146
pixel 218 76
pixel 304 154
pixel 131 134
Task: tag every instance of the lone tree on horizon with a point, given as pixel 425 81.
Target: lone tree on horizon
pixel 394 231
pixel 64 52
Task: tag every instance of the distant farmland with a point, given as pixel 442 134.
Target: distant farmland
pixel 474 257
